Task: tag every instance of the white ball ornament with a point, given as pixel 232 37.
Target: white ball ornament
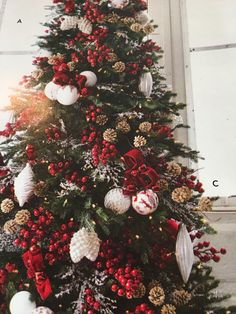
pixel 146 84
pixel 142 17
pixel 91 78
pixel 21 303
pixel 117 201
pixel 119 4
pixel 145 202
pixel 67 95
pixel 51 90
pixel 42 310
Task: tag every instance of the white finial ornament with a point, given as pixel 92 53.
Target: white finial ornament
pixel 146 84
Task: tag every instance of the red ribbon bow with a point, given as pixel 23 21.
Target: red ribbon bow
pixel 33 260
pixel 138 175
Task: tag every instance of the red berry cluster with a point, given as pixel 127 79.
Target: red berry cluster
pixel 148 62
pixel 53 133
pixel 7 189
pixel 98 55
pixel 92 12
pixel 69 6
pixel 4 171
pixel 42 62
pixel 36 228
pixel 30 152
pixel 141 308
pixel 92 112
pixel 132 68
pixel 104 152
pixel 91 305
pixel 206 253
pixel 55 168
pixel 98 34
pixel 81 181
pixel 59 243
pixel 150 46
pixel 91 135
pixel 189 181
pixel 9 130
pixel 162 130
pixel 128 280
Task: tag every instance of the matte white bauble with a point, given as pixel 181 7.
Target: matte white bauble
pixel 67 95
pixel 146 84
pixel 117 201
pixel 51 90
pixel 91 78
pixel 42 310
pixel 142 17
pixel 119 4
pixel 21 303
pixel 145 202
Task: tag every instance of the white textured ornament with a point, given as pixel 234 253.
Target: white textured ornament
pixel 51 90
pixel 145 202
pixel 84 243
pixel 142 17
pixel 119 4
pixel 184 252
pixel 117 201
pixel 85 26
pixel 91 78
pixel 42 310
pixel 146 84
pixel 21 303
pixel 67 95
pixel 69 22
pixel 24 185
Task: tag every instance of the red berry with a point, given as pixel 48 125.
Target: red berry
pixel 216 258
pixel 120 292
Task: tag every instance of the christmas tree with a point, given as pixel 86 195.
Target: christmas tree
pixel 97 216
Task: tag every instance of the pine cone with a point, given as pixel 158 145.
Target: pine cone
pixel 119 67
pixel 204 204
pixel 110 135
pixel 22 217
pixel 128 20
pixel 139 141
pixel 157 295
pixel 40 189
pixel 101 119
pixel 136 27
pixel 181 297
pixel 123 126
pixel 37 74
pixel 153 284
pixel 163 184
pixel 145 127
pixel 168 309
pixel 174 169
pixel 10 227
pixel 182 194
pixel 140 291
pixel 148 29
pixel 112 18
pixel 112 57
pixel 7 205
pixel 54 59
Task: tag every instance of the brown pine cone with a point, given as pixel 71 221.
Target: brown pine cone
pixel 205 204
pixel 101 119
pixel 10 227
pixel 22 217
pixel 148 29
pixel 181 297
pixel 123 126
pixel 7 205
pixel 163 184
pixel 112 18
pixel 119 67
pixel 139 141
pixel 145 127
pixel 140 291
pixel 110 135
pixel 174 169
pixel 168 309
pixel 136 27
pixel 54 59
pixel 112 57
pixel 157 295
pixel 128 20
pixel 182 194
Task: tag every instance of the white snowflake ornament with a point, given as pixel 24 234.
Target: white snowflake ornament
pixel 84 243
pixel 24 185
pixel 145 202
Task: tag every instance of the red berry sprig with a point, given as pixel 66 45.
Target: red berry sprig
pixel 90 305
pixel 92 12
pixel 92 112
pixel 53 133
pixel 205 252
pixel 56 168
pixel 141 308
pixel 98 55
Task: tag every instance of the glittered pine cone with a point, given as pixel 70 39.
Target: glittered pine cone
pixel 110 135
pixel 148 29
pixel 136 27
pixel 163 184
pixel 101 119
pixel 174 169
pixel 22 217
pixel 145 127
pixel 7 205
pixel 139 141
pixel 168 309
pixel 182 194
pixel 157 295
pixel 10 227
pixel 112 18
pixel 112 57
pixel 123 126
pixel 140 291
pixel 119 67
pixel 54 59
pixel 181 297
pixel 204 204
pixel 128 20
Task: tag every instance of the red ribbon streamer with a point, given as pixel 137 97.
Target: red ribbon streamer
pixel 33 260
